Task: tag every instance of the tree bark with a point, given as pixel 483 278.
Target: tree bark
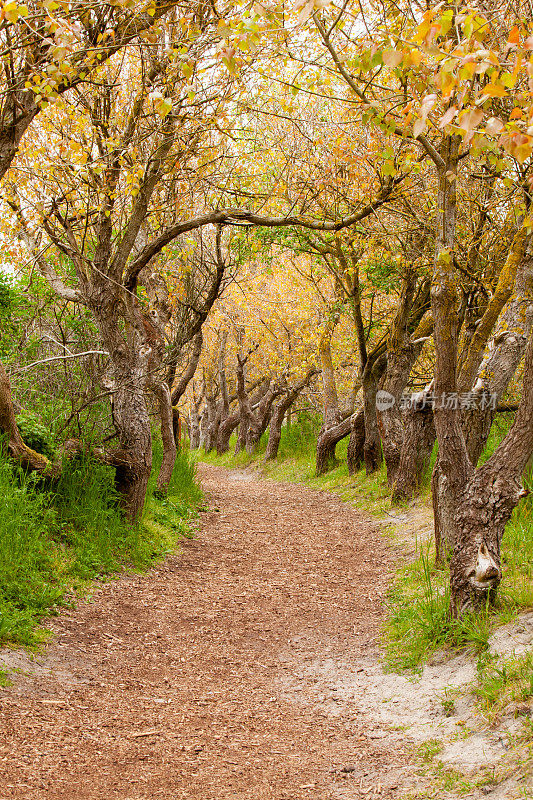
pixel 282 407
pixel 259 420
pixel 501 362
pixel 225 430
pixel 453 463
pixel 486 505
pixel 416 449
pixel 494 372
pixel 403 350
pixel 166 416
pixel 276 423
pixel 179 388
pixel 231 422
pixel 356 445
pixel 204 423
pixel 372 448
pixel 242 435
pixel 128 371
pixel 327 442
pixel 194 424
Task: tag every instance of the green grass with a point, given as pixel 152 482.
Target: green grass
pixel 53 543
pixel 418 623
pixel 503 681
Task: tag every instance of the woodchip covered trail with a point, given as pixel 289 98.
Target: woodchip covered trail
pixel 213 676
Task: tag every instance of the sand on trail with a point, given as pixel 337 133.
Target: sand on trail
pixel 213 676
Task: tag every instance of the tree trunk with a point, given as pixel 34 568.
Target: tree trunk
pixel 327 437
pixel 194 425
pixel 177 427
pixel 326 444
pixel 416 449
pixel 283 407
pixel 494 372
pixel 276 423
pixel 259 421
pixel 499 366
pixel 179 388
pixel 204 422
pixel 402 354
pixel 356 445
pixel 211 427
pixel 453 459
pixel 133 460
pixel 125 337
pixel 242 436
pixel 372 445
pixel 486 505
pixel 166 416
pixel 331 413
pixel 225 430
pixel 231 422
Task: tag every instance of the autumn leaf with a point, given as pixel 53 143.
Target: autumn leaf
pixel 447 117
pixel 514 36
pixel 392 58
pixel 494 126
pixel 427 104
pixel 494 90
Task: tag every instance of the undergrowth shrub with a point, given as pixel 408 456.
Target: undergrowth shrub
pixel 35 434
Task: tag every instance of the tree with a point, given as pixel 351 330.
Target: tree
pixel 446 126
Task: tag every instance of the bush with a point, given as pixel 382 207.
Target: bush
pixel 35 434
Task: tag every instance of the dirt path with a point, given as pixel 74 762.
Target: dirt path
pixel 214 676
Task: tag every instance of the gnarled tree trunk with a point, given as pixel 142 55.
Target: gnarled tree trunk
pixel 501 362
pixel 225 430
pixel 166 417
pixel 129 356
pixel 493 373
pixel 327 442
pixel 486 505
pixel 280 410
pixel 416 449
pixel 204 423
pixel 356 445
pixel 259 420
pixel 231 422
pixel 372 446
pixel 328 435
pixel 194 424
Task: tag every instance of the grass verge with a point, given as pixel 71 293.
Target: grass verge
pixel 53 542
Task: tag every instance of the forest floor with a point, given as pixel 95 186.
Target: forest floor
pixel 246 666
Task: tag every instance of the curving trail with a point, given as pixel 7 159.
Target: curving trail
pixel 214 676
